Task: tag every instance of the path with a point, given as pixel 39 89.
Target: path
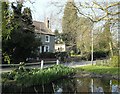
pixel 78 64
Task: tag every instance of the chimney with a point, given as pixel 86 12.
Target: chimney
pixel 47 22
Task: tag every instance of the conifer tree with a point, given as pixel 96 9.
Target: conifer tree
pixel 69 24
pixel 22 42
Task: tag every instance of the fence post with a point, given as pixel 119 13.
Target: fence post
pixel 57 62
pixel 41 64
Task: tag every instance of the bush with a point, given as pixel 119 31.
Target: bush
pixel 86 56
pixel 37 76
pixel 114 61
pixel 96 55
pixel 62 56
pixel 47 55
pixel 9 75
pixel 101 54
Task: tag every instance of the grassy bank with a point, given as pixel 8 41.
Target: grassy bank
pixel 99 69
pixel 28 77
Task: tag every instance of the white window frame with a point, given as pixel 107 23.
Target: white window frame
pixel 45 48
pixel 46 38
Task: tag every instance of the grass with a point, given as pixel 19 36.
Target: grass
pixel 99 69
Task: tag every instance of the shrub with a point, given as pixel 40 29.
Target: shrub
pixel 9 75
pixel 47 55
pixel 62 56
pixel 101 54
pixel 96 55
pixel 38 76
pixel 86 56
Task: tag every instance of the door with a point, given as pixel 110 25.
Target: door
pixel 42 49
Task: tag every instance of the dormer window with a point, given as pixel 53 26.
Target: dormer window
pixel 47 38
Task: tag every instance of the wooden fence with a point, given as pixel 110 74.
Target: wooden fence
pixel 41 63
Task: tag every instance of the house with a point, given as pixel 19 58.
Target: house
pixel 60 47
pixel 43 31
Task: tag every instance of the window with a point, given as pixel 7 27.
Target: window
pixel 46 48
pixel 40 49
pixel 47 38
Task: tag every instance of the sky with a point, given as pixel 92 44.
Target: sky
pixel 42 9
pixel 39 9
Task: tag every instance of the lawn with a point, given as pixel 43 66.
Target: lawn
pixel 100 69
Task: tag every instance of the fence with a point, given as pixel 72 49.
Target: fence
pixel 42 63
pixel 105 62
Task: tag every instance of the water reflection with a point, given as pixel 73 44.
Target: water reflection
pixel 74 85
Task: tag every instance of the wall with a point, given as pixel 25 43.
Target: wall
pixel 51 44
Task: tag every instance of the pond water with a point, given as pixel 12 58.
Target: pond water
pixel 69 85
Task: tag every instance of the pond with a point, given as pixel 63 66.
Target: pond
pixel 69 85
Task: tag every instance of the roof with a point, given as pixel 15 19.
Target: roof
pixel 41 28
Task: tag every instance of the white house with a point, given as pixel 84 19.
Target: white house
pixel 60 47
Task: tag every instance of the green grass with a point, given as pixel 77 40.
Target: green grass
pixel 99 69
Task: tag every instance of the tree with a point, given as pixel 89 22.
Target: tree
pixel 83 37
pixel 69 24
pixel 105 39
pixel 58 37
pixel 22 43
pixel 98 12
pixel 6 29
pixel 76 30
pixel 107 11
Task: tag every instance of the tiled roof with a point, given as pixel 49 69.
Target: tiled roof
pixel 41 28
